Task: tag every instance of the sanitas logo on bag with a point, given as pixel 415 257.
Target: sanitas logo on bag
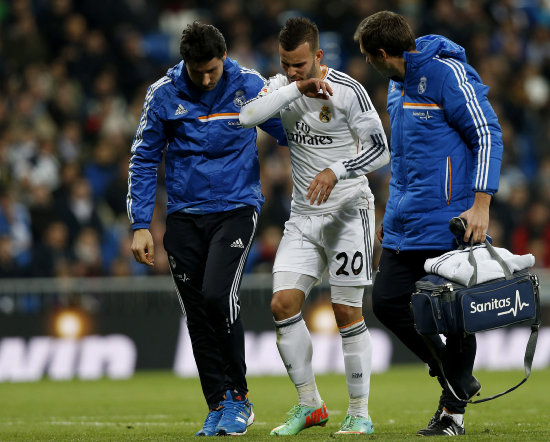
pixel 495 304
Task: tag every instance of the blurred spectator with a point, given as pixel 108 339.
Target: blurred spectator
pixel 87 253
pixel 23 43
pixel 115 192
pixel 42 211
pixel 53 255
pixel 15 222
pixel 533 234
pixel 263 250
pixel 78 210
pixel 102 169
pixel 9 268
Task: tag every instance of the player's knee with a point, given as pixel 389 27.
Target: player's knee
pixel 284 304
pixel 346 314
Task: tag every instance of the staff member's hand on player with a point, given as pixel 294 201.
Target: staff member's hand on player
pixel 320 187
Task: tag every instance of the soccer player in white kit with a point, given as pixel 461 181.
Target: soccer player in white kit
pixel 335 137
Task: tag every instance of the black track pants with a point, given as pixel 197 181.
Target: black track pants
pixel 391 297
pixel 207 255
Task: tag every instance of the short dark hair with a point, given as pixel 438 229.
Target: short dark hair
pixel 201 42
pixel 385 30
pixel 298 30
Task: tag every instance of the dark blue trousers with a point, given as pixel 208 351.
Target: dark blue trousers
pixel 207 255
pixel 391 297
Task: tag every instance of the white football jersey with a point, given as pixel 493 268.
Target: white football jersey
pixel 343 133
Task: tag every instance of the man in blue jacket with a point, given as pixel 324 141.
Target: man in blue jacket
pixel 446 149
pixel 214 197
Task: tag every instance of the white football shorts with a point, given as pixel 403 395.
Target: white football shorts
pixel 340 241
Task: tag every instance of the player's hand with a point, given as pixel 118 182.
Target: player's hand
pixel 143 247
pixel 315 88
pixel 320 187
pixel 380 234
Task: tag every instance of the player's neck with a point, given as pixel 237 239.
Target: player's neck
pixel 321 71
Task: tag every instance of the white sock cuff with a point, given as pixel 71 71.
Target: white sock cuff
pixel 353 329
pixel 458 418
pixel 289 324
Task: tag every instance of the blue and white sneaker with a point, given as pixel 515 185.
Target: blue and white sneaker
pixel 212 419
pixel 237 415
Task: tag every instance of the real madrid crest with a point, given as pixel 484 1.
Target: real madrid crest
pixel 325 115
pixel 239 99
pixel 422 85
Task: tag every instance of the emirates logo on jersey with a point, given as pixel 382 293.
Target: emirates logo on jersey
pixel 303 135
pixel 325 115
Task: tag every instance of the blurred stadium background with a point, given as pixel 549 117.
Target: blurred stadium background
pixel 73 75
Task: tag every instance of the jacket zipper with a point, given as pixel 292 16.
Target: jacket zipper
pixel 448 181
pixel 404 174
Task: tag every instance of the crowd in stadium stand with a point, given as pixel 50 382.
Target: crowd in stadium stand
pixel 73 76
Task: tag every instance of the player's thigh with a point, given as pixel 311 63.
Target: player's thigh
pixel 298 252
pixel 348 239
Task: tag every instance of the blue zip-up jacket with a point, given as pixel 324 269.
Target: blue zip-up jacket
pixel 446 144
pixel 211 162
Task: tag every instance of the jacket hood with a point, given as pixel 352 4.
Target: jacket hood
pixel 175 72
pixel 179 76
pixel 431 45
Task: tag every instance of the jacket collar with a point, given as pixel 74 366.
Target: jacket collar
pixel 430 46
pixel 187 90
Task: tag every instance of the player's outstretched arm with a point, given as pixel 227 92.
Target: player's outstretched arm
pixel 271 99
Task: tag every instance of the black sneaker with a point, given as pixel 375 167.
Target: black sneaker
pixel 445 426
pixel 435 417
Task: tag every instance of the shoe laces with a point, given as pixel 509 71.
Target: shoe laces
pixel 232 408
pixel 293 412
pixel 348 423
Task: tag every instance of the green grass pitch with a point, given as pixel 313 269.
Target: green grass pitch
pixel 158 406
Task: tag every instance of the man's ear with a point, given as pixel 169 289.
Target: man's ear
pixel 318 55
pixel 383 54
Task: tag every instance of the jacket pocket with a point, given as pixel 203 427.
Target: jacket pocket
pixel 448 180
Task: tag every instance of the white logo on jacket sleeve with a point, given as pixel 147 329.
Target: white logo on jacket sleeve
pixel 422 85
pixel 180 110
